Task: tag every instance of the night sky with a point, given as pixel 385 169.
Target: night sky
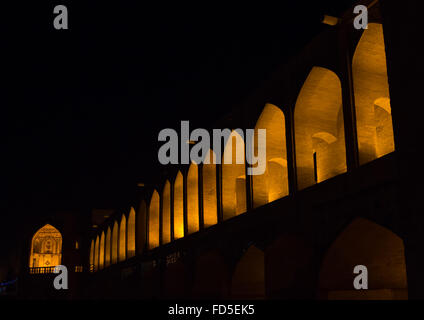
pixel 82 108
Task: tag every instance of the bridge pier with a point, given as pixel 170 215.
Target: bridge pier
pixel 402 34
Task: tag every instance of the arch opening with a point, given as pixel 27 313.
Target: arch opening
pixel 233 177
pixel 192 199
pixel 102 252
pixel 122 239
pixel 319 129
pixel 92 255
pixel 178 206
pixel 154 221
pixel 210 209
pixel 372 98
pixel 131 234
pixel 373 246
pixel 273 184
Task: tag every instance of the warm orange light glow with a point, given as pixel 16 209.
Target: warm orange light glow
pixel 154 221
pixel 192 199
pixel 46 248
pixel 273 184
pixel 233 178
pixel 210 212
pixel 131 234
pixel 92 255
pixel 319 129
pixel 178 207
pixel 122 239
pixel 96 254
pixel 102 252
pixel 108 247
pixel 372 98
pixel 330 20
pixel 166 213
pixel 115 242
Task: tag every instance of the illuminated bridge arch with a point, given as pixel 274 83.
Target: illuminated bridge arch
pixel 273 184
pixel 102 251
pixel 192 199
pixel 122 250
pixel 179 206
pixel 92 255
pixel 233 177
pixel 210 208
pixel 319 129
pixel 372 98
pixel 131 233
pixel 154 220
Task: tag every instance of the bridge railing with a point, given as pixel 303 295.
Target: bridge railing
pixel 41 270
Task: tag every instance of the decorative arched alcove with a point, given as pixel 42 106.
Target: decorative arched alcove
pixel 46 248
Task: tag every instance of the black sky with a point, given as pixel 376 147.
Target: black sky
pixel 82 108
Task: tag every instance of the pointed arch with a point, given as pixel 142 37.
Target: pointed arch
pixel 92 255
pixel 122 239
pixel 179 206
pixel 273 184
pixel 210 208
pixel 115 242
pixel 154 220
pixel 192 199
pixel 108 248
pixel 96 254
pixel 372 98
pixel 233 176
pixel 46 247
pixel 319 113
pixel 364 243
pixel 131 234
pixel 166 213
pixel 102 251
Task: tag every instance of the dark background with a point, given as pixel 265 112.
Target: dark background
pixel 82 108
